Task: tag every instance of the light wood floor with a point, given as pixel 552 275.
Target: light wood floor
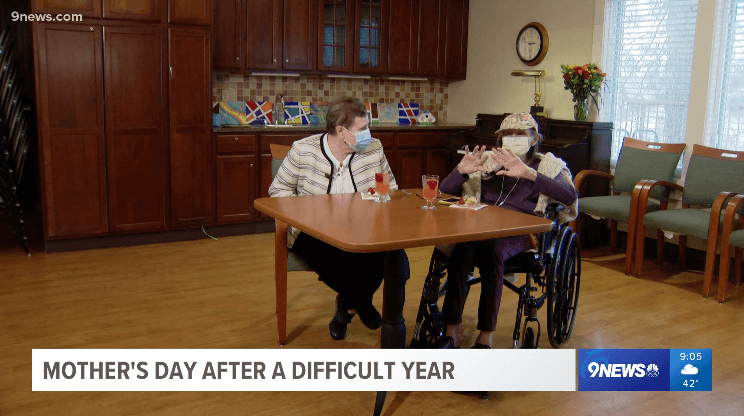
pixel 219 294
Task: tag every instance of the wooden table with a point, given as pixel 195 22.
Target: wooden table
pixel 353 224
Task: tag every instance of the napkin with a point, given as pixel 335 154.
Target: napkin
pixel 366 195
pixel 474 207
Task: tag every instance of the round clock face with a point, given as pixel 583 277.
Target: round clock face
pixel 529 44
pixel 532 43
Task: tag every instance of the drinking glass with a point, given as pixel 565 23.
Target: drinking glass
pixel 382 186
pixel 431 186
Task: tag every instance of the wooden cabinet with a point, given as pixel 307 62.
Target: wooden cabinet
pixel 71 129
pixel 370 36
pixel 336 36
pixel 228 32
pixel 135 130
pixel 237 177
pixel 455 39
pixel 190 12
pixel 191 155
pixel 87 8
pixel 276 35
pixel 430 39
pixel 420 153
pixel 403 33
pixel 146 10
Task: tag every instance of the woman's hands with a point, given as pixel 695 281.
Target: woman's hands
pixel 513 165
pixel 473 161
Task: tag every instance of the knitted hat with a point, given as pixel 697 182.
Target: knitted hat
pixel 520 121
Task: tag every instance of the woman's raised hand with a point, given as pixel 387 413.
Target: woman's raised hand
pixel 473 161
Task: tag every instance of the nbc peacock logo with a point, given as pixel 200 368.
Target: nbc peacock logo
pixel 652 370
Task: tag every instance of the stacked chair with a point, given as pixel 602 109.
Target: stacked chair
pixel 13 141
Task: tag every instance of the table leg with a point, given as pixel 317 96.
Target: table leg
pixel 393 334
pixel 280 279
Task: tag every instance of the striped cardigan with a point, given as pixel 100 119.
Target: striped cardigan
pixel 307 170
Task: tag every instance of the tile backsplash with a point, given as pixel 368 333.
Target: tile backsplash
pixel 430 95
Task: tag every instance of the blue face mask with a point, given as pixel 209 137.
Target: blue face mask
pixel 363 139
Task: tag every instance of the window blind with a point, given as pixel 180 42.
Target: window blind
pixel 724 122
pixel 647 55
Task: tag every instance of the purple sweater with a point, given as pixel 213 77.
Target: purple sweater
pixel 523 196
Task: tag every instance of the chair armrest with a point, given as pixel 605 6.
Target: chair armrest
pixel 579 179
pixel 715 213
pixel 646 187
pixel 728 219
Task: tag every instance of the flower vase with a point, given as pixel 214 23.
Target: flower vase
pixel 581 110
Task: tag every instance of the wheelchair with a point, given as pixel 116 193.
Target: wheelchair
pixel 553 268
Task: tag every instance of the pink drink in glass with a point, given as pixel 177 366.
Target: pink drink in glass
pixel 382 185
pixel 431 186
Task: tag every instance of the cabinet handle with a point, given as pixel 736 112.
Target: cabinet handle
pixel 236 139
pixel 170 70
pixel 251 164
pixel 274 60
pixel 287 61
pixel 91 29
pixel 237 58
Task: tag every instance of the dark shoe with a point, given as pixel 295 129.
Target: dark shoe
pixel 445 343
pixel 342 318
pixel 479 346
pixel 370 317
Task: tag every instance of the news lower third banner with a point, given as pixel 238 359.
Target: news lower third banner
pixel 372 370
pixel 303 370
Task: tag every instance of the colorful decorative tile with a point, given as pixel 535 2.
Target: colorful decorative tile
pixel 387 113
pixel 318 113
pixel 407 113
pixel 259 112
pixel 232 112
pixel 297 112
pixel 372 113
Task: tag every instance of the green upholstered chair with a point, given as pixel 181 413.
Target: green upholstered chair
pixel 732 236
pixel 295 263
pixel 639 161
pixel 713 176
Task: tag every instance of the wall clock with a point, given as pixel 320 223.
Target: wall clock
pixel 532 43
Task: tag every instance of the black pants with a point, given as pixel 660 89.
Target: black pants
pixel 356 276
pixel 489 256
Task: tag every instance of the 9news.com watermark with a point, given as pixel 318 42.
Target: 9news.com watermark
pixel 48 17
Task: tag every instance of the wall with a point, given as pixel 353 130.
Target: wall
pixel 492 34
pixel 430 95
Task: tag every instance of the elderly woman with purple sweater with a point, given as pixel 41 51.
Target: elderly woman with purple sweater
pixel 515 177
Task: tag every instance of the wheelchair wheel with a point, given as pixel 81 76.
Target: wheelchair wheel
pixel 530 343
pixel 432 329
pixel 555 282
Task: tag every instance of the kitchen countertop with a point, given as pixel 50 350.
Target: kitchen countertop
pixel 321 128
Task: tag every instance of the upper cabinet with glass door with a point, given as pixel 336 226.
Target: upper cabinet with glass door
pixel 334 37
pixel 371 36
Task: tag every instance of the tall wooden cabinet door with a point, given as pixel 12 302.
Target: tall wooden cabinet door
pixel 263 29
pixel 456 39
pixel 146 10
pixel 299 35
pixel 436 163
pixel 191 155
pixel 236 187
pixel 370 46
pixel 190 12
pixel 403 40
pixel 336 35
pixel 135 131
pixel 87 8
pixel 410 168
pixel 69 79
pixel 430 43
pixel 228 34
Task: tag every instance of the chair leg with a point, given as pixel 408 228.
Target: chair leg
pixel 682 251
pixel 737 266
pixel 630 245
pixel 659 247
pixel 640 237
pixel 613 235
pixel 710 266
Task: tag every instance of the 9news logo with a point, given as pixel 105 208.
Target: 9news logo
pixel 623 370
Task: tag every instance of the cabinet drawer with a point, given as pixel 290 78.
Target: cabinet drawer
pixel 236 143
